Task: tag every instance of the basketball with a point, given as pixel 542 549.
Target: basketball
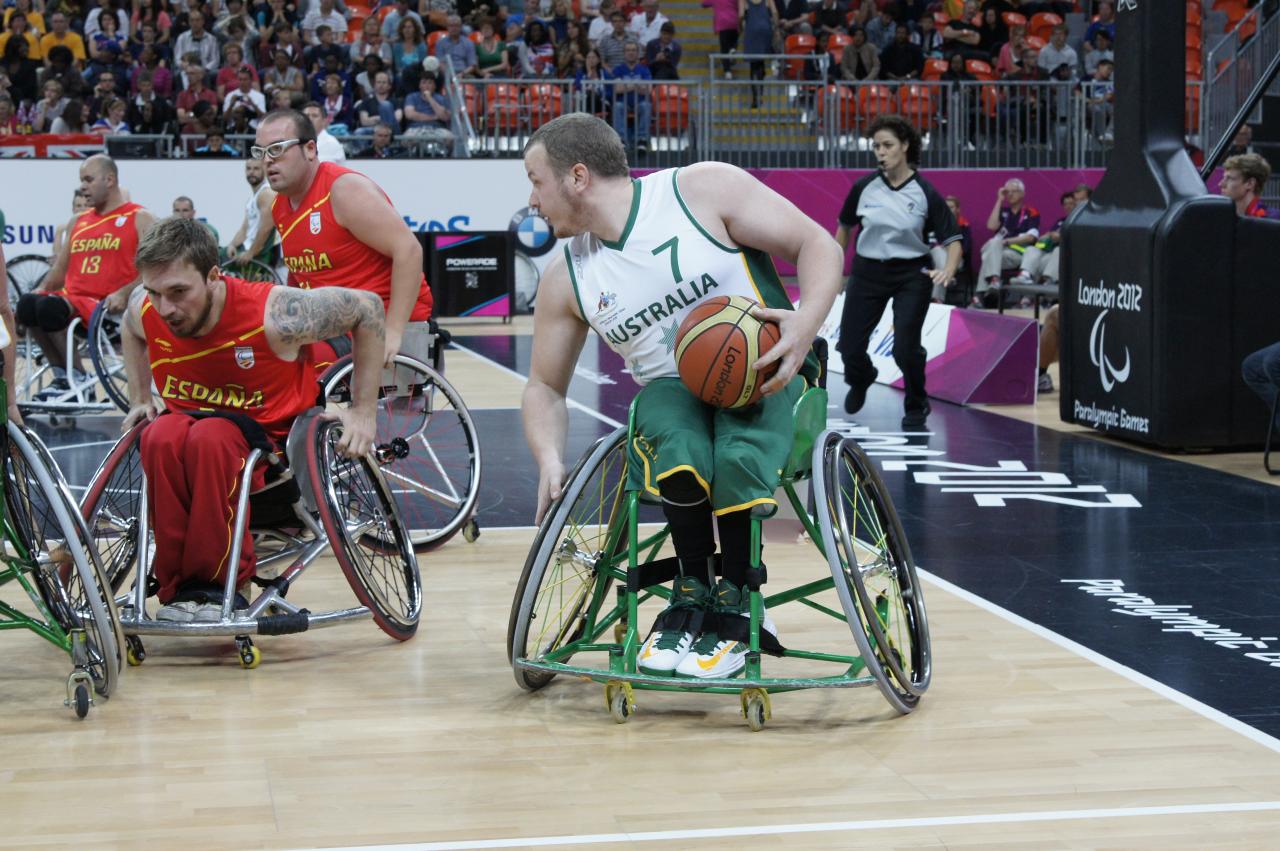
pixel 715 347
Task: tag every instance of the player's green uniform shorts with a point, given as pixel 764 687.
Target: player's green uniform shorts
pixel 737 456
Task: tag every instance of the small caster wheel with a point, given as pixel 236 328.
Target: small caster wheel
pixel 82 700
pixel 136 654
pixel 250 656
pixel 470 531
pixel 621 700
pixel 755 708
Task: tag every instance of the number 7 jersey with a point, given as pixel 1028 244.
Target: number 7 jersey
pixel 636 291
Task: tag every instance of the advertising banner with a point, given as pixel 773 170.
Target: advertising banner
pixel 472 274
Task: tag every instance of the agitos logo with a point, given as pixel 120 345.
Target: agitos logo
pixel 1108 374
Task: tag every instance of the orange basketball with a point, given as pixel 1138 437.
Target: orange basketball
pixel 715 347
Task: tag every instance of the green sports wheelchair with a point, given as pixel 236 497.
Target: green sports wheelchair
pixel 600 537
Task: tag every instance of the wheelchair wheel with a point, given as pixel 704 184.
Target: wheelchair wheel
pixel 107 354
pixel 110 508
pixel 561 579
pixel 361 520
pixel 875 577
pixel 427 447
pixel 68 573
pixel 252 270
pixel 25 273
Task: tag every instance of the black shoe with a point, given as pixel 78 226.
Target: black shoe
pixel 913 420
pixel 854 400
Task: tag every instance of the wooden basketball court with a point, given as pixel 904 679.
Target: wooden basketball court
pixel 1028 738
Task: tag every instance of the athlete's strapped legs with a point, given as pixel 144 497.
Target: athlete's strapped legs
pixel 46 316
pixel 194 468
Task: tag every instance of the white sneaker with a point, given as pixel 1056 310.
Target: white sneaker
pixel 713 658
pixel 208 613
pixel 664 649
pixel 1022 280
pixel 1045 383
pixel 184 612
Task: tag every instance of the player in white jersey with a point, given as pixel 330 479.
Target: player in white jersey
pixel 643 253
pixel 252 239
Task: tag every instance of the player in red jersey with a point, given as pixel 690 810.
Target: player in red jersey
pixel 337 228
pixel 95 263
pixel 1243 178
pixel 232 364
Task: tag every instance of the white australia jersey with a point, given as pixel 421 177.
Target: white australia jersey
pixel 635 292
pixel 253 215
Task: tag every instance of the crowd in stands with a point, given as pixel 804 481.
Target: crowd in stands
pixel 202 67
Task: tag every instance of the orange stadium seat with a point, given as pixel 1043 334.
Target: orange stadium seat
pixel 934 69
pixel 940 20
pixel 800 44
pixel 670 110
pixel 1195 62
pixel 835 45
pixel 544 104
pixel 354 27
pixel 1193 108
pixel 1014 19
pixel 1042 24
pixel 1193 40
pixel 475 36
pixel 432 38
pixel 846 106
pixel 1194 16
pixel 990 100
pixel 915 103
pixel 980 69
pixel 874 101
pixel 502 106
pixel 1036 41
pixel 384 11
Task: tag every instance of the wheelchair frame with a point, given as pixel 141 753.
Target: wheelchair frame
pixel 822 448
pixel 108 377
pixel 269 613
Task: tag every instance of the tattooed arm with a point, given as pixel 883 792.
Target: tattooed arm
pixel 297 317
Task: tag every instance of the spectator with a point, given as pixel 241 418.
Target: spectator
pixel 336 104
pixel 590 10
pixel 1057 53
pixel 541 52
pixel 613 46
pixel 1041 260
pixel 646 25
pixel 1023 112
pixel 795 18
pixel 325 15
pixel 8 116
pixel 1241 143
pixel 1100 95
pixel 72 119
pixel 938 253
pixel 1244 176
pixel 282 75
pixel 112 122
pixel 393 23
pixel 197 40
pixel 726 23
pixel 531 11
pixel 104 91
pixel 244 95
pixel 35 19
pixel 282 98
pixel 602 23
pixel 962 36
pixel 370 43
pixel 460 49
pixel 235 19
pixel 902 60
pixel 1082 193
pixel 379 107
pixel 23 73
pixel 48 108
pixel 1106 22
pixel 148 99
pixel 927 37
pixel 328 148
pixel 992 32
pixel 364 79
pixel 561 18
pixel 17 28
pixel 631 98
pixel 60 36
pixel 759 23
pixel 1011 51
pixel 110 60
pixel 427 113
pixel 662 55
pixel 829 19
pixel 318 55
pixel 1015 224
pixel 60 65
pixel 1049 335
pixel 518 51
pixel 382 147
pixel 1261 371
pixel 315 90
pixel 229 74
pixel 195 92
pixel 204 120
pixel 1101 50
pixel 571 51
pixel 860 60
pixel 491 52
pixel 286 38
pixel 275 15
pixel 107 8
pixel 881 28
pixel 147 38
pixel 409 49
pixel 593 81
pixel 215 145
pixel 151 12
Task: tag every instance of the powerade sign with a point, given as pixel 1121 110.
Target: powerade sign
pixel 1108 391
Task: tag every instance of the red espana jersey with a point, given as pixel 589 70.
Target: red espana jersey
pixel 101 260
pixel 322 253
pixel 231 368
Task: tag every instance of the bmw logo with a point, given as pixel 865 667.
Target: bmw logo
pixel 533 232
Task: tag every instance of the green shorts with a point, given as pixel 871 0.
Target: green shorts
pixel 736 455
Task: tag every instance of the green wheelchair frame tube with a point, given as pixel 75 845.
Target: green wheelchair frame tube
pixel 810 415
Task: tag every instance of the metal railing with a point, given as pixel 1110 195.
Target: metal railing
pixel 1237 71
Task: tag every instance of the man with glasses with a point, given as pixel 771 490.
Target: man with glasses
pixel 337 228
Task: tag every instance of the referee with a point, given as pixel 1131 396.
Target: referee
pixel 895 208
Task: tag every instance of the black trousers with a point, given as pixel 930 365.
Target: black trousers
pixel 866 296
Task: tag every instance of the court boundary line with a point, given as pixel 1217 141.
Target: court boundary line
pixel 1137 677
pixel 825 827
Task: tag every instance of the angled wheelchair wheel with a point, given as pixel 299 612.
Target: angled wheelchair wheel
pixel 67 571
pixel 427 447
pixel 875 577
pixel 110 508
pixel 252 270
pixel 25 273
pixel 562 581
pixel 363 524
pixel 107 354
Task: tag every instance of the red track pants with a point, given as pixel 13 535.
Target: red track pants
pixel 194 468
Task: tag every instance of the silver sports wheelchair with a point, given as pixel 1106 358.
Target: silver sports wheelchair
pixel 314 499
